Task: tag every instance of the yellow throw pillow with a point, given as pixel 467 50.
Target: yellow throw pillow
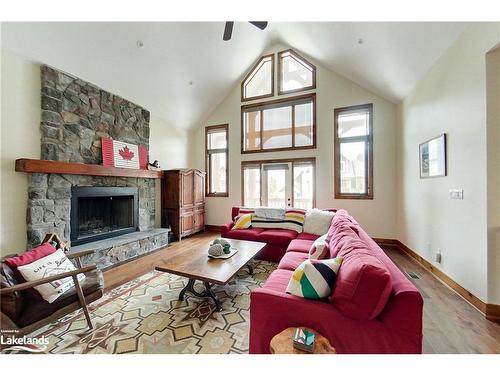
pixel 243 221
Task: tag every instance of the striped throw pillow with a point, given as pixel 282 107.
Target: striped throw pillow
pixel 294 220
pixel 319 248
pixel 314 279
pixel 243 221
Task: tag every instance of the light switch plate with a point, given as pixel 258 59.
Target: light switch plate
pixel 457 193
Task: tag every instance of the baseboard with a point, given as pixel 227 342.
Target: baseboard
pixel 490 311
pixel 213 228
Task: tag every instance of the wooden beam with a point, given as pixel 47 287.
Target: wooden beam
pixel 61 167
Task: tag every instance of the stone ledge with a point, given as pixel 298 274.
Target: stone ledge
pixel 111 252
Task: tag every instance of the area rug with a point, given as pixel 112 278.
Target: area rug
pixel 145 316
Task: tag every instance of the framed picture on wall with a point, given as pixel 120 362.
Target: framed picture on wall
pixel 432 156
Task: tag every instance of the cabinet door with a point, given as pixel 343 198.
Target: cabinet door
pixel 187 223
pixel 199 187
pixel 199 220
pixel 187 186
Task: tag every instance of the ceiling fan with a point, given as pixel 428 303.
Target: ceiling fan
pixel 228 29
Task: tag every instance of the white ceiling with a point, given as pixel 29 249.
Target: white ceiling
pixel 392 58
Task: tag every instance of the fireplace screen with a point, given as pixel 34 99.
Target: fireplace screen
pixel 102 212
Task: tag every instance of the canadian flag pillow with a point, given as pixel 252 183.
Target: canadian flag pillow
pixel 319 248
pixel 50 265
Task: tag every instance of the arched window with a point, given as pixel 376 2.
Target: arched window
pixel 259 83
pixel 294 73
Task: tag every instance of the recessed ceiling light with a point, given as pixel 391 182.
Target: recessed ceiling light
pixel 360 41
pixel 139 44
pixel 190 83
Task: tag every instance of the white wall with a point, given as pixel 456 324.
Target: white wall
pixel 378 215
pixel 493 145
pixel 450 98
pixel 20 138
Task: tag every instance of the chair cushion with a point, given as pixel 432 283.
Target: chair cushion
pixel 280 237
pixel 278 280
pixel 363 284
pixel 292 260
pixel 12 303
pixel 249 234
pixel 300 246
pixel 36 310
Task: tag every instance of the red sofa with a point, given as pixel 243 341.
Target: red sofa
pixel 373 308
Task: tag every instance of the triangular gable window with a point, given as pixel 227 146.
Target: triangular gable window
pixel 259 83
pixel 295 73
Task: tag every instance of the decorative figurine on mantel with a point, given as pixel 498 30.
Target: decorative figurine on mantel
pixel 154 166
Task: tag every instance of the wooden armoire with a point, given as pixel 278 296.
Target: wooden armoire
pixel 183 201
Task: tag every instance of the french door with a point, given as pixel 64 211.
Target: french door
pixel 279 183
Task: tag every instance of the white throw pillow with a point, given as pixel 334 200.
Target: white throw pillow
pixel 53 264
pixel 319 248
pixel 318 221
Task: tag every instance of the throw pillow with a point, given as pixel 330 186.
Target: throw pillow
pixel 243 221
pixel 318 221
pixel 50 265
pixel 28 257
pixel 314 279
pixel 319 248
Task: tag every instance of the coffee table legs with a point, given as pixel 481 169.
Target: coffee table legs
pixel 206 293
pixel 250 268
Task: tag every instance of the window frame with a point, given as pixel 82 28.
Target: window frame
pixel 243 99
pixel 368 139
pixel 280 74
pixel 208 130
pixel 311 160
pixel 281 102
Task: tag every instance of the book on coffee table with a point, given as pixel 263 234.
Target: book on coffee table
pixel 304 340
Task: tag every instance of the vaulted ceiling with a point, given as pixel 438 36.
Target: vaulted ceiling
pixel 184 69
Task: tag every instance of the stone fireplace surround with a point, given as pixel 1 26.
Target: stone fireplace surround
pixel 75 116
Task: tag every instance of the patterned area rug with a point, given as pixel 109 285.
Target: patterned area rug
pixel 145 316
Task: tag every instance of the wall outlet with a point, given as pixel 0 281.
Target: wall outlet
pixel 438 257
pixel 456 193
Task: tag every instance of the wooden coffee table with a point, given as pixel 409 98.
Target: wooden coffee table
pixel 196 265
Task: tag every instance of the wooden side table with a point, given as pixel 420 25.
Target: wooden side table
pixel 282 343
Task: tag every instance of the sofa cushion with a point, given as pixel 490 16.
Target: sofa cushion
pixel 343 236
pixel 36 310
pixel 292 260
pixel 307 236
pixel 242 221
pixel 301 246
pixel 363 284
pixel 314 279
pixel 277 236
pixel 293 220
pixel 278 280
pixel 249 234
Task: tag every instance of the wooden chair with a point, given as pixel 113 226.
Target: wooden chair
pixel 21 313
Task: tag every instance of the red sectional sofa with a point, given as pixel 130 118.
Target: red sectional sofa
pixel 373 308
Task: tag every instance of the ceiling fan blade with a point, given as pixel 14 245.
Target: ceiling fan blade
pixel 228 30
pixel 260 24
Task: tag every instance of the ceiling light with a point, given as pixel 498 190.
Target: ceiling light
pixel 360 41
pixel 139 44
pixel 190 83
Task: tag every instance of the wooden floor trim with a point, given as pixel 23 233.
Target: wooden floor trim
pixel 213 228
pixel 489 310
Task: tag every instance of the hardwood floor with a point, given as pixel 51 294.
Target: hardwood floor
pixel 451 325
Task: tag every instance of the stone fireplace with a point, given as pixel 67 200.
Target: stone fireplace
pixel 102 212
pixel 114 215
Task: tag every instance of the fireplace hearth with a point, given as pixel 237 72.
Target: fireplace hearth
pixel 102 212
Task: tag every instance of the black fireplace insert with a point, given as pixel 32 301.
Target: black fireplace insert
pixel 102 212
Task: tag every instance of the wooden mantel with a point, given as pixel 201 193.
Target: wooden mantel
pixel 61 167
